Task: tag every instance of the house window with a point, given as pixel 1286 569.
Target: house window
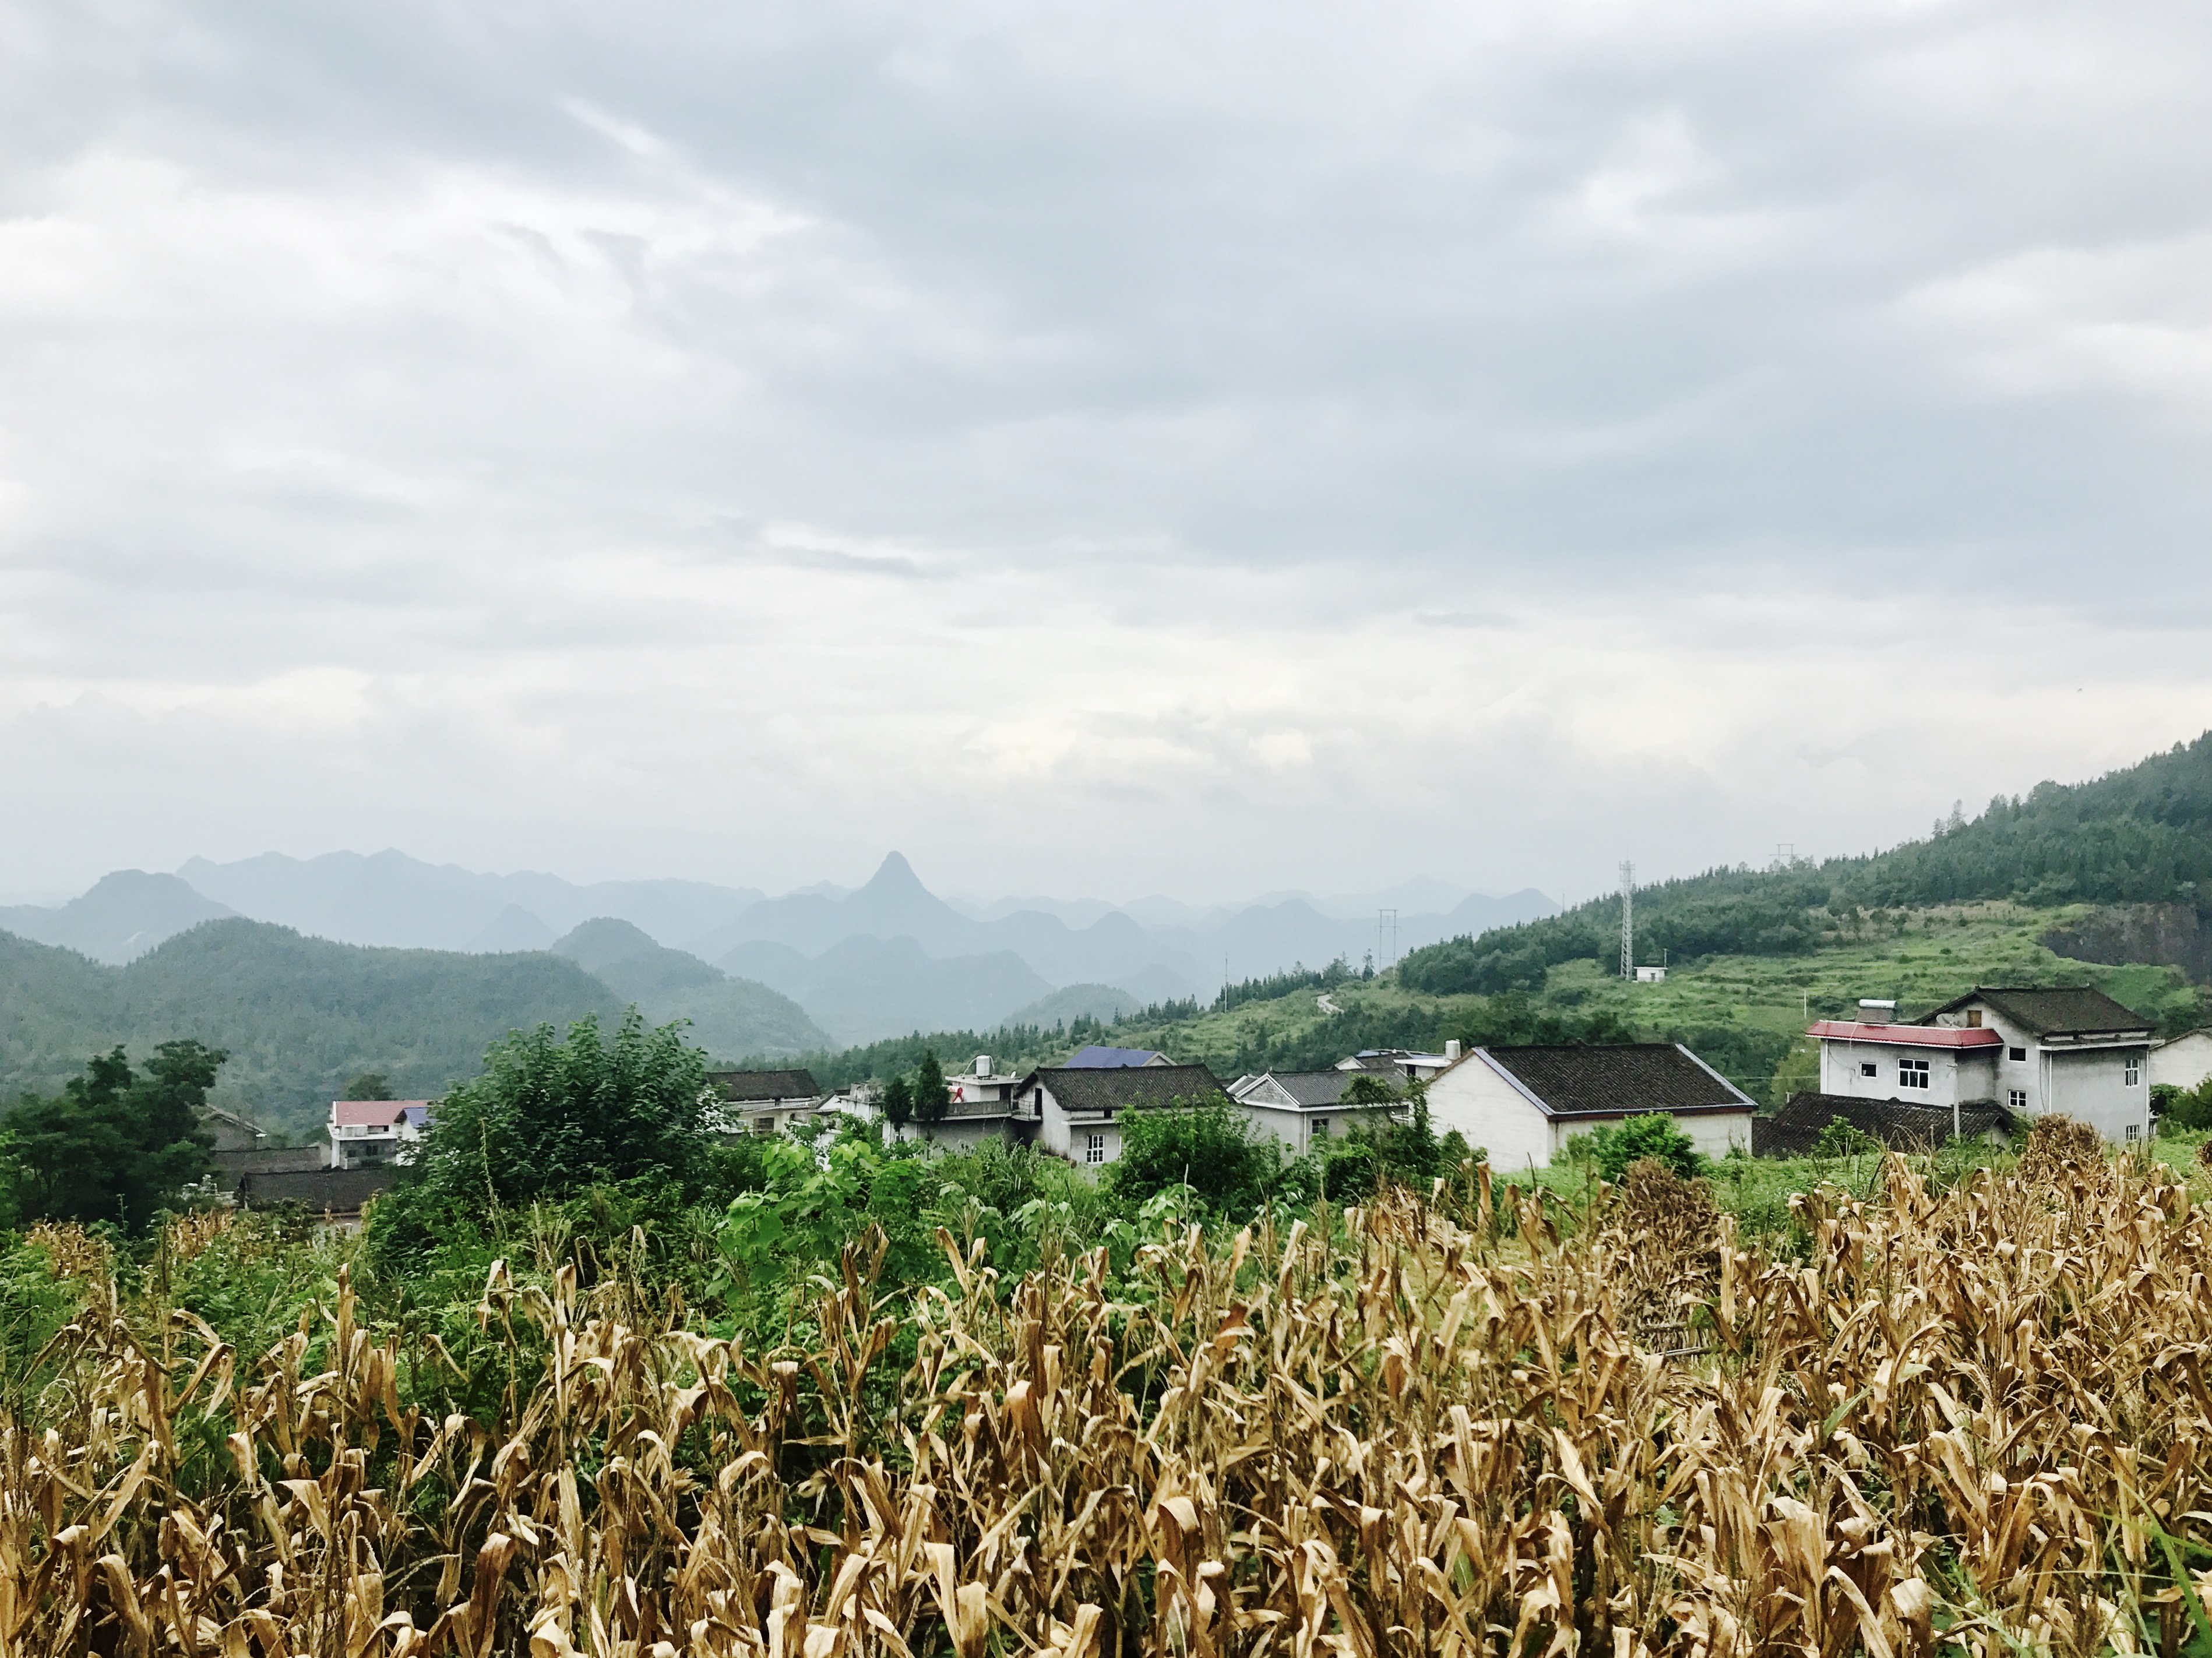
pixel 2016 1099
pixel 2134 1131
pixel 1973 1019
pixel 1094 1148
pixel 2134 1074
pixel 1912 1073
pixel 1320 1128
pixel 1867 1068
pixel 2017 1055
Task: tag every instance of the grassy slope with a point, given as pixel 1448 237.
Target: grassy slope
pixel 1923 959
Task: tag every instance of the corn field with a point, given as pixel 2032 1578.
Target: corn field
pixel 1974 1420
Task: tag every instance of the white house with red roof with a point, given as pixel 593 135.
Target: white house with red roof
pixel 2032 1051
pixel 367 1133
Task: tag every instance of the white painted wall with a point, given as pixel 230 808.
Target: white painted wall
pixel 2184 1062
pixel 1954 1075
pixel 2093 1087
pixel 1490 1112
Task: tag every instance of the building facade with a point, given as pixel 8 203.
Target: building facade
pixel 2031 1051
pixel 1299 1107
pixel 1524 1104
pixel 369 1133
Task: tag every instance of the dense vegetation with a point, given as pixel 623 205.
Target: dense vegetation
pixel 299 1017
pixel 2141 835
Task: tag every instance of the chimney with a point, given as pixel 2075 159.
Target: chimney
pixel 1876 1012
pixel 982 1065
pixel 1451 1051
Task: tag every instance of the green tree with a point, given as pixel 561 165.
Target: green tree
pixel 933 1097
pixel 899 1101
pixel 550 1115
pixel 369 1085
pixel 116 1145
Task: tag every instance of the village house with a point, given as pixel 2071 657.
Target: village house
pixel 2031 1051
pixel 760 1102
pixel 1401 1064
pixel 1298 1108
pixel 2184 1062
pixel 367 1133
pixel 1522 1104
pixel 1075 1111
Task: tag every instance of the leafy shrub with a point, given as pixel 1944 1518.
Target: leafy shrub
pixel 1206 1145
pixel 1653 1134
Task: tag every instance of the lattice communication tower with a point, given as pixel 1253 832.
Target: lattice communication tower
pixel 1627 919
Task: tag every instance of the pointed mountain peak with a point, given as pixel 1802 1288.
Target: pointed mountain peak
pixel 895 874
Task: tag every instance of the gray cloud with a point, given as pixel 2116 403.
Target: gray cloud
pixel 1301 451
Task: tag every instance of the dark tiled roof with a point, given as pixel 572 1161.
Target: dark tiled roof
pixel 742 1085
pixel 233 1166
pixel 1126 1086
pixel 1631 1077
pixel 1795 1129
pixel 1324 1087
pixel 2072 1010
pixel 340 1191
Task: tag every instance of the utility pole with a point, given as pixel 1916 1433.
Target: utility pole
pixel 1627 919
pixel 1386 935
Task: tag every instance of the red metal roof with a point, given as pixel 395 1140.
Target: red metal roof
pixel 351 1114
pixel 1905 1036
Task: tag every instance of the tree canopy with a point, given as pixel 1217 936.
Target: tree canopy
pixel 551 1114
pixel 117 1145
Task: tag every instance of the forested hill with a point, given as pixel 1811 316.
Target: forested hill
pixel 2142 835
pixel 300 1016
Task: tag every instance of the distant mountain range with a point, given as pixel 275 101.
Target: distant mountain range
pixel 823 963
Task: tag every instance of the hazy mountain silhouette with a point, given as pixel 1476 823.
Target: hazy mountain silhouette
pixel 730 1016
pixel 124 915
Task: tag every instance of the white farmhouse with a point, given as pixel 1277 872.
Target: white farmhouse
pixel 1523 1103
pixel 367 1133
pixel 1300 1107
pixel 1075 1111
pixel 760 1102
pixel 2031 1051
pixel 2183 1063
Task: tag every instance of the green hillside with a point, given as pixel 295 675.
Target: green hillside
pixel 728 1015
pixel 2140 838
pixel 299 1015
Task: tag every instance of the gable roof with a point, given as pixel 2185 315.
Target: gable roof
pixel 1085 1088
pixel 1795 1130
pixel 2067 1011
pixel 739 1086
pixel 374 1114
pixel 1615 1080
pixel 1097 1057
pixel 1310 1088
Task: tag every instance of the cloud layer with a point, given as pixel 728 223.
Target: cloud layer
pixel 1092 447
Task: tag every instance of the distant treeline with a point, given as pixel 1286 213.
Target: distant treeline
pixel 2142 835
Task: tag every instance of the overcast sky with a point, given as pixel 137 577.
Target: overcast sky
pixel 1094 449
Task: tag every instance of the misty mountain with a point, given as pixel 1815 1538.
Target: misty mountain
pixel 730 1016
pixel 125 915
pixel 894 905
pixel 392 899
pixel 862 989
pixel 300 1016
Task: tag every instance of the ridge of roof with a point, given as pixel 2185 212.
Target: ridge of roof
pixel 2050 1009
